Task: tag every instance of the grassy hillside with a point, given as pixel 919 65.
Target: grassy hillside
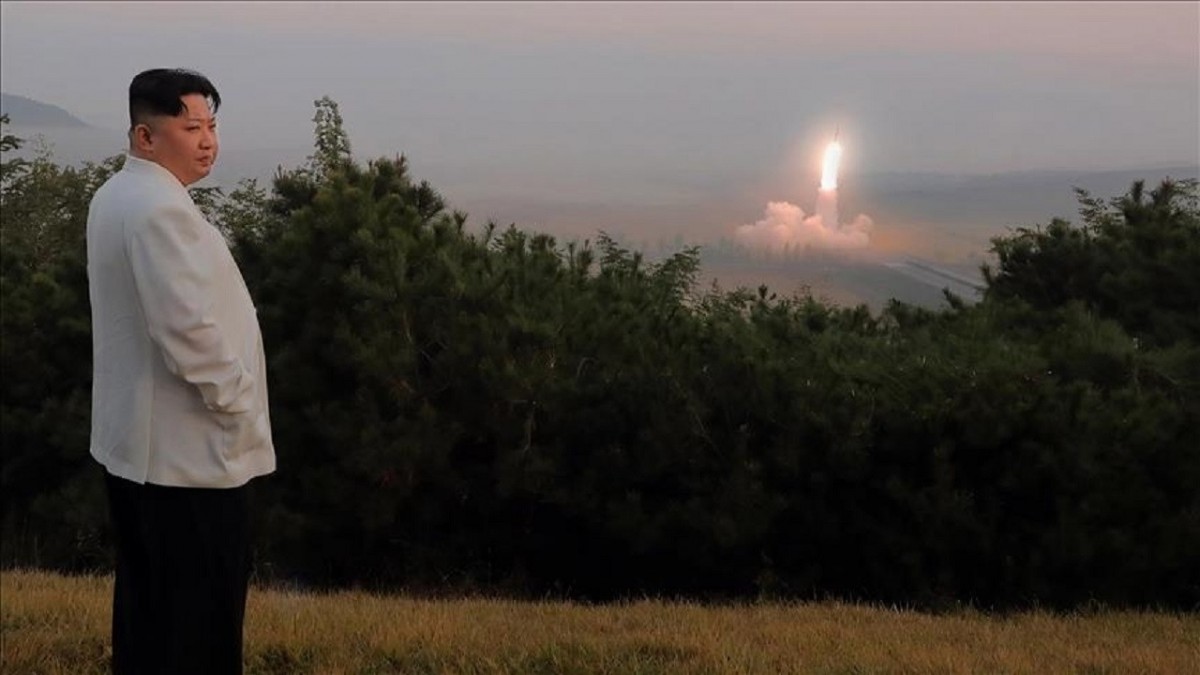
pixel 54 624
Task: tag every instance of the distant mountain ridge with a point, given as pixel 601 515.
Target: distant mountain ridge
pixel 24 111
pixel 900 182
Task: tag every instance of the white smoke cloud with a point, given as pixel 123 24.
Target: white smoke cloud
pixel 786 229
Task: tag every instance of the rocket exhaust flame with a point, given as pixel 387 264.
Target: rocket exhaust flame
pixel 829 168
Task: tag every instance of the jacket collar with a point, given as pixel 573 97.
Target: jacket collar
pixel 147 167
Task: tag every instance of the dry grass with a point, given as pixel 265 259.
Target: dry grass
pixel 56 624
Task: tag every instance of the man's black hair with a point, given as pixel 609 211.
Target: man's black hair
pixel 158 92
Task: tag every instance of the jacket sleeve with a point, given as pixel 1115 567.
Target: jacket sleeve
pixel 173 270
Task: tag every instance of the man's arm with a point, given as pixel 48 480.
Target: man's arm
pixel 174 275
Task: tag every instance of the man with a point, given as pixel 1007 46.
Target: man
pixel 179 393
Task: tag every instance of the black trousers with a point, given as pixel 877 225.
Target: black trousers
pixel 183 566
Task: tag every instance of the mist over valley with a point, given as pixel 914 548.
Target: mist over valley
pixel 931 231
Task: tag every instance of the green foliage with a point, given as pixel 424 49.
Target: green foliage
pixel 50 484
pixel 332 143
pixel 1132 260
pixel 494 410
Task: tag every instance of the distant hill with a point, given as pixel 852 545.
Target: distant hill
pixel 1017 198
pixel 24 111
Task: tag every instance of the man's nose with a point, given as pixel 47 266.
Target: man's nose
pixel 208 138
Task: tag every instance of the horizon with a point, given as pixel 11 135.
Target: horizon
pixel 966 88
pixel 306 144
pixel 925 215
pixel 657 119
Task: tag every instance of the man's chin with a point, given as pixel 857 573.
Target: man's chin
pixel 195 177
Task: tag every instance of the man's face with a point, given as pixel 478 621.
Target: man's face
pixel 186 145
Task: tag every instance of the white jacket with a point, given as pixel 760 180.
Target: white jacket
pixel 179 389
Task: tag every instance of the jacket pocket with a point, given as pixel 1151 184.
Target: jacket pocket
pixel 244 433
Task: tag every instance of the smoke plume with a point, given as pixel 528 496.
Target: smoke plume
pixel 786 229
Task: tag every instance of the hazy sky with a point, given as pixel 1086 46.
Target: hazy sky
pixel 658 102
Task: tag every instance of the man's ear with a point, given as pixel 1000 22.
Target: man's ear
pixel 142 136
